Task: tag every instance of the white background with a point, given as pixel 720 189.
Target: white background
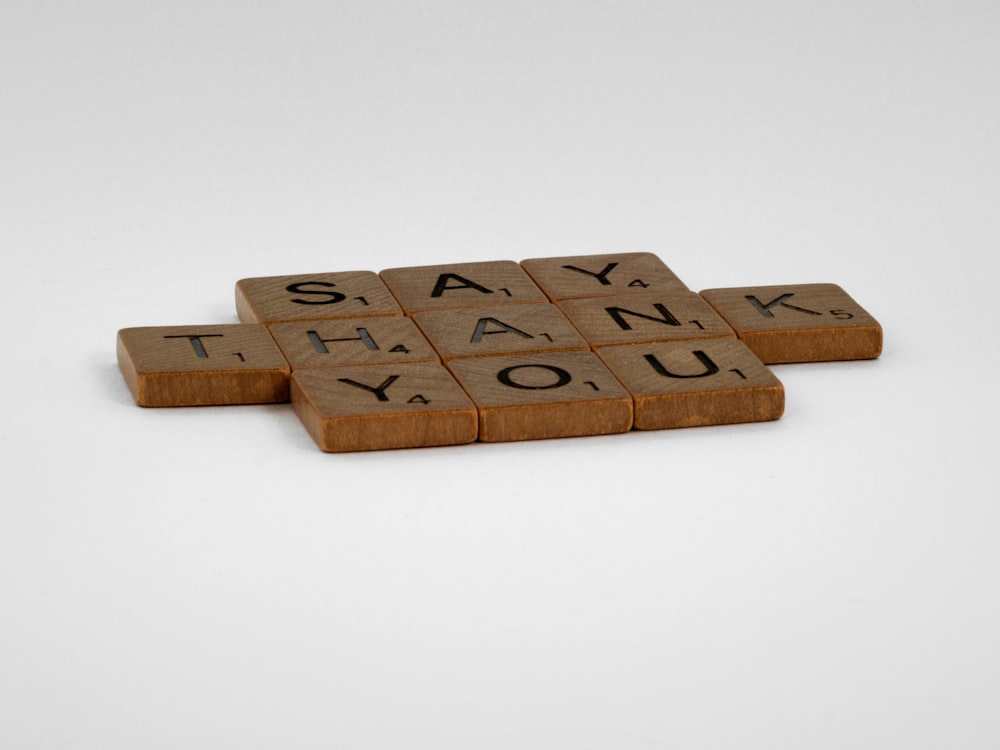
pixel 207 578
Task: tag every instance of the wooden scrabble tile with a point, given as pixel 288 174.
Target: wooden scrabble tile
pixel 352 341
pixel 320 296
pixel 482 284
pixel 695 383
pixel 533 396
pixel 375 407
pixel 799 322
pixel 202 365
pixel 649 316
pixel 506 329
pixel 605 275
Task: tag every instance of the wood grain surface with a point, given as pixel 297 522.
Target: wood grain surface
pixel 534 396
pixel 352 341
pixel 645 316
pixel 202 365
pixel 377 407
pixel 602 275
pixel 482 284
pixel 344 294
pixel 799 322
pixel 506 329
pixel 448 354
pixel 695 383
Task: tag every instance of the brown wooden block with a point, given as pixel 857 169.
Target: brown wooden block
pixel 799 322
pixel 202 365
pixel 650 316
pixel 482 284
pixel 352 341
pixel 320 296
pixel 375 407
pixel 553 395
pixel 573 276
pixel 506 329
pixel 695 383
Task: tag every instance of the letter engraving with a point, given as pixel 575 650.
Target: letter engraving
pixel 378 390
pixel 319 344
pixel 442 285
pixel 199 348
pixel 300 288
pixel 710 367
pixel 562 377
pixel 481 331
pixel 601 276
pixel 765 310
pixel 666 317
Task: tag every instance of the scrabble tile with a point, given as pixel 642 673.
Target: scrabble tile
pixel 506 329
pixel 695 383
pixel 320 296
pixel 605 275
pixel 534 396
pixel 482 284
pixel 352 341
pixel 650 316
pixel 202 365
pixel 799 322
pixel 375 407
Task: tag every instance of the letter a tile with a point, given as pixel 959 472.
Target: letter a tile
pixel 799 322
pixel 482 284
pixel 375 407
pixel 695 383
pixel 506 329
pixel 602 275
pixel 534 396
pixel 202 365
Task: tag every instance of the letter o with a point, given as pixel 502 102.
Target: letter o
pixel 562 377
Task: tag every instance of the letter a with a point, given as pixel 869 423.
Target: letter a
pixel 481 331
pixel 442 285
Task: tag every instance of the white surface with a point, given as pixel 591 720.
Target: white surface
pixel 206 578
